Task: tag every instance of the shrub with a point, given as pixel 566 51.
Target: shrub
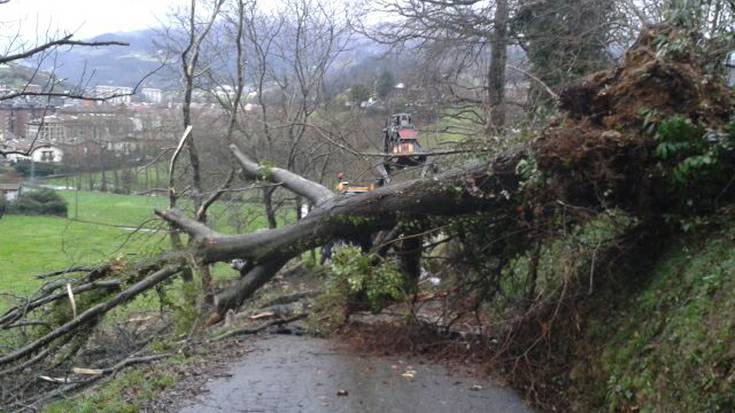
pixel 40 202
pixel 355 281
pixel 24 167
pixel 354 274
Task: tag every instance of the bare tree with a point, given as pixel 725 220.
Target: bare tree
pixel 454 37
pixel 290 52
pixel 197 32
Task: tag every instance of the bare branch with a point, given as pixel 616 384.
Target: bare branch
pixel 64 41
pixel 92 313
pixel 194 228
pixel 172 167
pixel 546 87
pixel 313 191
pixel 202 212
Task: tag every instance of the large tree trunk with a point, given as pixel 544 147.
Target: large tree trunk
pixel 496 71
pixel 409 254
pixel 471 189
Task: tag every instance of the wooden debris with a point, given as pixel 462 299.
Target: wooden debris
pixel 265 314
pixel 87 372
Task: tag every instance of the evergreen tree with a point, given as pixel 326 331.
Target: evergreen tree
pixel 564 40
pixel 385 84
pixel 359 93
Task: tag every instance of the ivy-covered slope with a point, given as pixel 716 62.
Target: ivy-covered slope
pixel 669 344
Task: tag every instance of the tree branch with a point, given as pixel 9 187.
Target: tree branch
pixel 314 192
pixel 92 313
pixel 64 41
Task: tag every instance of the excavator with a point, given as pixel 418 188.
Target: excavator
pixel 400 139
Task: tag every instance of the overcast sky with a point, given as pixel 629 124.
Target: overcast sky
pixel 87 18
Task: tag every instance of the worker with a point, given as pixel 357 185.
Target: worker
pixel 341 183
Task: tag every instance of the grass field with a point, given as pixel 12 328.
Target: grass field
pixel 138 181
pixel 134 210
pixel 128 210
pixel 35 245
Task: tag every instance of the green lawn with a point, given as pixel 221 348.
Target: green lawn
pixel 453 131
pixel 138 181
pixel 34 245
pixel 133 210
pixel 130 210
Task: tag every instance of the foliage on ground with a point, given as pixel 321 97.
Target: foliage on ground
pixel 354 281
pixel 125 394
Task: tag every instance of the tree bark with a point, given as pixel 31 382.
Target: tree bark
pixel 103 186
pixel 474 188
pixel 116 180
pixel 409 255
pixel 496 70
pixel 270 213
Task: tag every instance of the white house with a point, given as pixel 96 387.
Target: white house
pixel 125 146
pixel 42 151
pixel 47 153
pixel 152 95
pixel 10 192
pixel 116 95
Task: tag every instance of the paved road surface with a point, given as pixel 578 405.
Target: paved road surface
pixel 286 374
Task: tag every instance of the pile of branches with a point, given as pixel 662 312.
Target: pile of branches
pixel 50 331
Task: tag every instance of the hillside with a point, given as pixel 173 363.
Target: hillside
pixel 124 66
pixel 668 342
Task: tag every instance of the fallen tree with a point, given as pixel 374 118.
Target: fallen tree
pixel 475 188
pixel 606 151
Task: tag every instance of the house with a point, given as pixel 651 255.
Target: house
pixel 46 128
pixel 40 151
pixel 14 116
pixel 11 192
pixel 47 153
pixel 115 95
pixel 152 95
pixel 125 146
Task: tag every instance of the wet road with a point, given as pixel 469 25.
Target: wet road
pixel 288 374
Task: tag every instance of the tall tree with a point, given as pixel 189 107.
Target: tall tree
pixel 454 37
pixel 386 82
pixel 564 40
pixel 290 50
pixel 188 39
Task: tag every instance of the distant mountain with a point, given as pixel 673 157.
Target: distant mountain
pixel 114 65
pixel 127 65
